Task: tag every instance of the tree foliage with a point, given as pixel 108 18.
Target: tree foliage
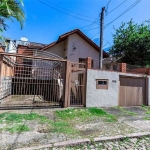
pixel 9 10
pixel 132 44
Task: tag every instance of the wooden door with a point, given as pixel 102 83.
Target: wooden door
pixel 132 91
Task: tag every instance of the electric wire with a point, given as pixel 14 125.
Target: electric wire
pixel 94 22
pixel 133 5
pixel 107 6
pixel 116 7
pixel 91 38
pixel 64 12
pixel 70 10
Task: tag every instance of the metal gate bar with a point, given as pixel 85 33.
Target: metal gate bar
pixel 77 91
pixel 31 81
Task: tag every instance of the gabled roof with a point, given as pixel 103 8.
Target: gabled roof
pixel 81 34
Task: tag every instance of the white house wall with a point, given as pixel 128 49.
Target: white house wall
pixel 58 49
pixel 102 97
pixel 83 49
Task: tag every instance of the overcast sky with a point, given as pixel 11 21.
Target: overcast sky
pixel 47 19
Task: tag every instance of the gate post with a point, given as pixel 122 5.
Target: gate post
pixel 67 83
pixel 1 63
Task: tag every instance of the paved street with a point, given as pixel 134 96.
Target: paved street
pixel 126 144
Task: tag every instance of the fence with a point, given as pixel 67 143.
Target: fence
pixel 31 81
pixel 106 65
pixel 119 67
pixel 137 69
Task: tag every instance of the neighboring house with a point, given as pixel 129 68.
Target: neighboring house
pixel 28 48
pixel 12 46
pixel 75 46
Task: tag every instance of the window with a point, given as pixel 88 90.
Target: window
pixel 82 60
pixel 101 83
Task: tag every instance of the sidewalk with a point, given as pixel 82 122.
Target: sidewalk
pixel 132 127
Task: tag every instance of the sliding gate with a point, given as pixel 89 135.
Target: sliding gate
pixel 31 81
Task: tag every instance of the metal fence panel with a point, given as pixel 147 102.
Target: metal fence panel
pixel 31 81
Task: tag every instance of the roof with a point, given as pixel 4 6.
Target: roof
pixel 81 34
pixel 36 45
pixel 32 45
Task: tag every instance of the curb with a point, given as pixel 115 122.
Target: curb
pixel 117 137
pixel 72 142
pixel 83 141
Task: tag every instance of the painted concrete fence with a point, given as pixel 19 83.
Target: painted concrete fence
pixel 106 97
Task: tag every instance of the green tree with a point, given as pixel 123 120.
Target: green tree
pixel 9 10
pixel 132 44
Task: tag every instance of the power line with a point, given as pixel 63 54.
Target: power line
pixel 88 24
pixel 94 22
pixel 133 5
pixel 91 38
pixel 107 6
pixel 64 12
pixel 105 44
pixel 116 7
pixel 92 29
pixel 93 25
pixel 70 10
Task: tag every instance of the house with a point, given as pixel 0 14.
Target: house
pixel 22 46
pixel 75 46
pixel 28 48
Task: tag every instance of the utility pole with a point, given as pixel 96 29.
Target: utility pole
pixel 101 38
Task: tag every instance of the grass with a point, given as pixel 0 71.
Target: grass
pixel 64 122
pixel 147 118
pixel 67 118
pixel 63 127
pixel 84 114
pixel 126 112
pixel 17 118
pixel 146 108
pixel 17 128
pixel 14 121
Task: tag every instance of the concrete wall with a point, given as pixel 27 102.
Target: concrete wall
pixel 102 97
pixel 6 74
pixel 5 86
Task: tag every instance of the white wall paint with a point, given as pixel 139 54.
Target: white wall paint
pixel 83 49
pixel 102 97
pixel 58 49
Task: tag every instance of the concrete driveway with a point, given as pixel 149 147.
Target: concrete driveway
pixel 136 117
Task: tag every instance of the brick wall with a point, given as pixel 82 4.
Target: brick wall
pixel 24 50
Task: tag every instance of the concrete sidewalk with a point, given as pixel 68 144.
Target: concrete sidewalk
pixel 133 122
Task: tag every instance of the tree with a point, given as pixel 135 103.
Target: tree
pixel 132 44
pixel 9 10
